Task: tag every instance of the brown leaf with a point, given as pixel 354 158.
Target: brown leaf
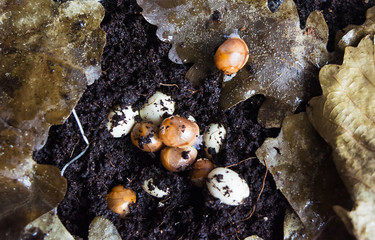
pixel 300 163
pixel 101 228
pixel 345 117
pixel 49 52
pixel 284 59
pixel 352 34
pixel 293 227
pixel 48 225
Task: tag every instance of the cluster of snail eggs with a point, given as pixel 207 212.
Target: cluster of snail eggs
pixel 176 138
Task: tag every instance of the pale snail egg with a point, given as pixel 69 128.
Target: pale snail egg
pixel 156 106
pixel 121 121
pixel 227 186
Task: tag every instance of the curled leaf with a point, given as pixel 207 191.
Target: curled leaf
pixel 283 61
pixel 352 34
pixel 49 52
pixel 344 117
pixel 299 160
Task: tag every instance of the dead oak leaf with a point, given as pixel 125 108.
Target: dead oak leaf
pixel 300 163
pixel 345 117
pixel 49 52
pixel 352 34
pixel 284 59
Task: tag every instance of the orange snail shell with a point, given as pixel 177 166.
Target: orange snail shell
pixel 232 55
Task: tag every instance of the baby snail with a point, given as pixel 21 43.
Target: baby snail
pixel 232 55
pixel 177 131
pixel 200 170
pixel 145 136
pixel 119 199
pixel 178 159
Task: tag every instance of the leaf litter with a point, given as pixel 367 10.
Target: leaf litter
pixel 344 117
pixel 303 170
pixel 284 59
pixel 49 52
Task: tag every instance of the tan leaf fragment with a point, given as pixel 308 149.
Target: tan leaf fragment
pixel 102 228
pixel 284 59
pixel 49 52
pixel 293 227
pixel 50 225
pixel 299 161
pixel 345 117
pixel 352 34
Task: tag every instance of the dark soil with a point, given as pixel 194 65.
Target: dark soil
pixel 135 64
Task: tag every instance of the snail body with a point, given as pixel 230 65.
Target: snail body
pixel 232 55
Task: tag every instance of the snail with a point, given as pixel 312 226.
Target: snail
pixel 232 55
pixel 201 168
pixel 178 159
pixel 145 136
pixel 177 131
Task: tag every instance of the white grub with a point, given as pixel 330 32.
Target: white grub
pixel 121 121
pixel 227 186
pixel 156 106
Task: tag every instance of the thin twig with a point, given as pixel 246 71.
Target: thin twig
pixel 169 85
pixel 260 193
pixel 235 164
pixel 74 147
pixel 84 138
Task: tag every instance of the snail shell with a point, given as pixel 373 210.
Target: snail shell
pixel 232 55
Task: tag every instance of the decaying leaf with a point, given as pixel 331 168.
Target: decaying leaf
pixel 345 117
pixel 352 34
pixel 102 228
pixel 293 227
pixel 284 59
pixel 300 163
pixel 49 52
pixel 48 225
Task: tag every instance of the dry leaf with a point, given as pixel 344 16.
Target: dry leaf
pixel 345 117
pixel 101 228
pixel 284 59
pixel 299 160
pixel 49 52
pixel 352 34
pixel 293 227
pixel 48 225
